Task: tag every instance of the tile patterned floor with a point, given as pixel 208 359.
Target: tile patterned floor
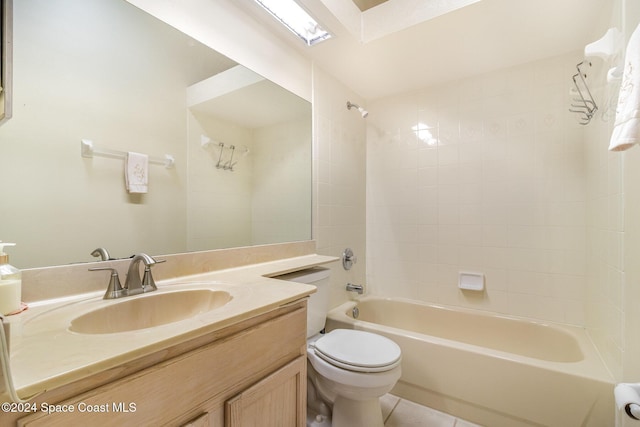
pixel 404 413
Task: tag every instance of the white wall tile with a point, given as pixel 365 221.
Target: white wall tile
pixel 339 181
pixel 503 192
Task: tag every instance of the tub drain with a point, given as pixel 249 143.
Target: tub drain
pixel 355 312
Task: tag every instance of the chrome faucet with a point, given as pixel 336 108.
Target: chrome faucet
pixel 355 288
pixel 133 284
pixel 102 253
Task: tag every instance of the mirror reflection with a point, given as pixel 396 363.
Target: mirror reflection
pixel 107 72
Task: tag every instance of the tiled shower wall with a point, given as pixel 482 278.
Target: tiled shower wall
pixel 631 291
pixel 605 260
pixel 614 235
pixel 485 175
pixel 339 162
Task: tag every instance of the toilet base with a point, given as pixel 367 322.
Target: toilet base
pixel 318 420
pixel 356 413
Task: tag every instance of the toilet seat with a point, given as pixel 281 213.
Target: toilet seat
pixel 358 351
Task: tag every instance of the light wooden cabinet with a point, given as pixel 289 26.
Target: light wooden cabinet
pixel 251 375
pixel 277 400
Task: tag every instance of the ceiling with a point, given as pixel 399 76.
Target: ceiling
pixel 367 4
pixel 256 105
pixel 480 37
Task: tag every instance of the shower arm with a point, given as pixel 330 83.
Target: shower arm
pixel 362 111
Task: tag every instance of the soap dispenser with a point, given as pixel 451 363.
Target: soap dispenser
pixel 10 283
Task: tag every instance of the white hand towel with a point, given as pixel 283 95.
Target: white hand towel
pixel 136 172
pixel 626 131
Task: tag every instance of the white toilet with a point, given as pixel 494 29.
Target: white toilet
pixel 347 370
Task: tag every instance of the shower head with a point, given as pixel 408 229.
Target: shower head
pixel 362 111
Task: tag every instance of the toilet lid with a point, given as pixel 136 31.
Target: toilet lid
pixel 358 350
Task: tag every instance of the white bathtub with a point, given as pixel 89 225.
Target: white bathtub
pixel 490 369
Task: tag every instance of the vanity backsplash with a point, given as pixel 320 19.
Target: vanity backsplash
pixel 64 280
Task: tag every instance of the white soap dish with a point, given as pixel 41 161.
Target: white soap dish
pixel 470 281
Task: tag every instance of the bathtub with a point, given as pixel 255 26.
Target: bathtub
pixel 490 369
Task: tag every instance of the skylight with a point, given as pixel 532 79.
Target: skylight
pixel 296 19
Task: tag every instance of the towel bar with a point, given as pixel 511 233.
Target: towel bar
pixel 87 149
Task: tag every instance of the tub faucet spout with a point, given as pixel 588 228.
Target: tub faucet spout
pixel 355 288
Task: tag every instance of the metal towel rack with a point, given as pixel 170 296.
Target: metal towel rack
pixel 227 165
pixel 583 103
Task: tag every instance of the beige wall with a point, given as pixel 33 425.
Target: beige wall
pixel 281 183
pixel 52 198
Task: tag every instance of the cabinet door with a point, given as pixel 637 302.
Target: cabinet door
pixel 201 421
pixel 278 400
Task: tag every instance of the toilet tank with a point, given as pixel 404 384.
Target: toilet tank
pixel 318 305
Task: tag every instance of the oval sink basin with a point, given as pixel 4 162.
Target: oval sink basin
pixel 149 310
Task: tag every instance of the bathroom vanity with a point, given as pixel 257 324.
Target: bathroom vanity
pixel 254 370
pixel 241 363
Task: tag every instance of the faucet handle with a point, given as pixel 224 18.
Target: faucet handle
pixel 148 284
pixel 348 259
pixel 114 289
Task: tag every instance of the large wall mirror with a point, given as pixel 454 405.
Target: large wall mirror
pixel 107 72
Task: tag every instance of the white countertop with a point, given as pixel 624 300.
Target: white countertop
pixel 45 354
